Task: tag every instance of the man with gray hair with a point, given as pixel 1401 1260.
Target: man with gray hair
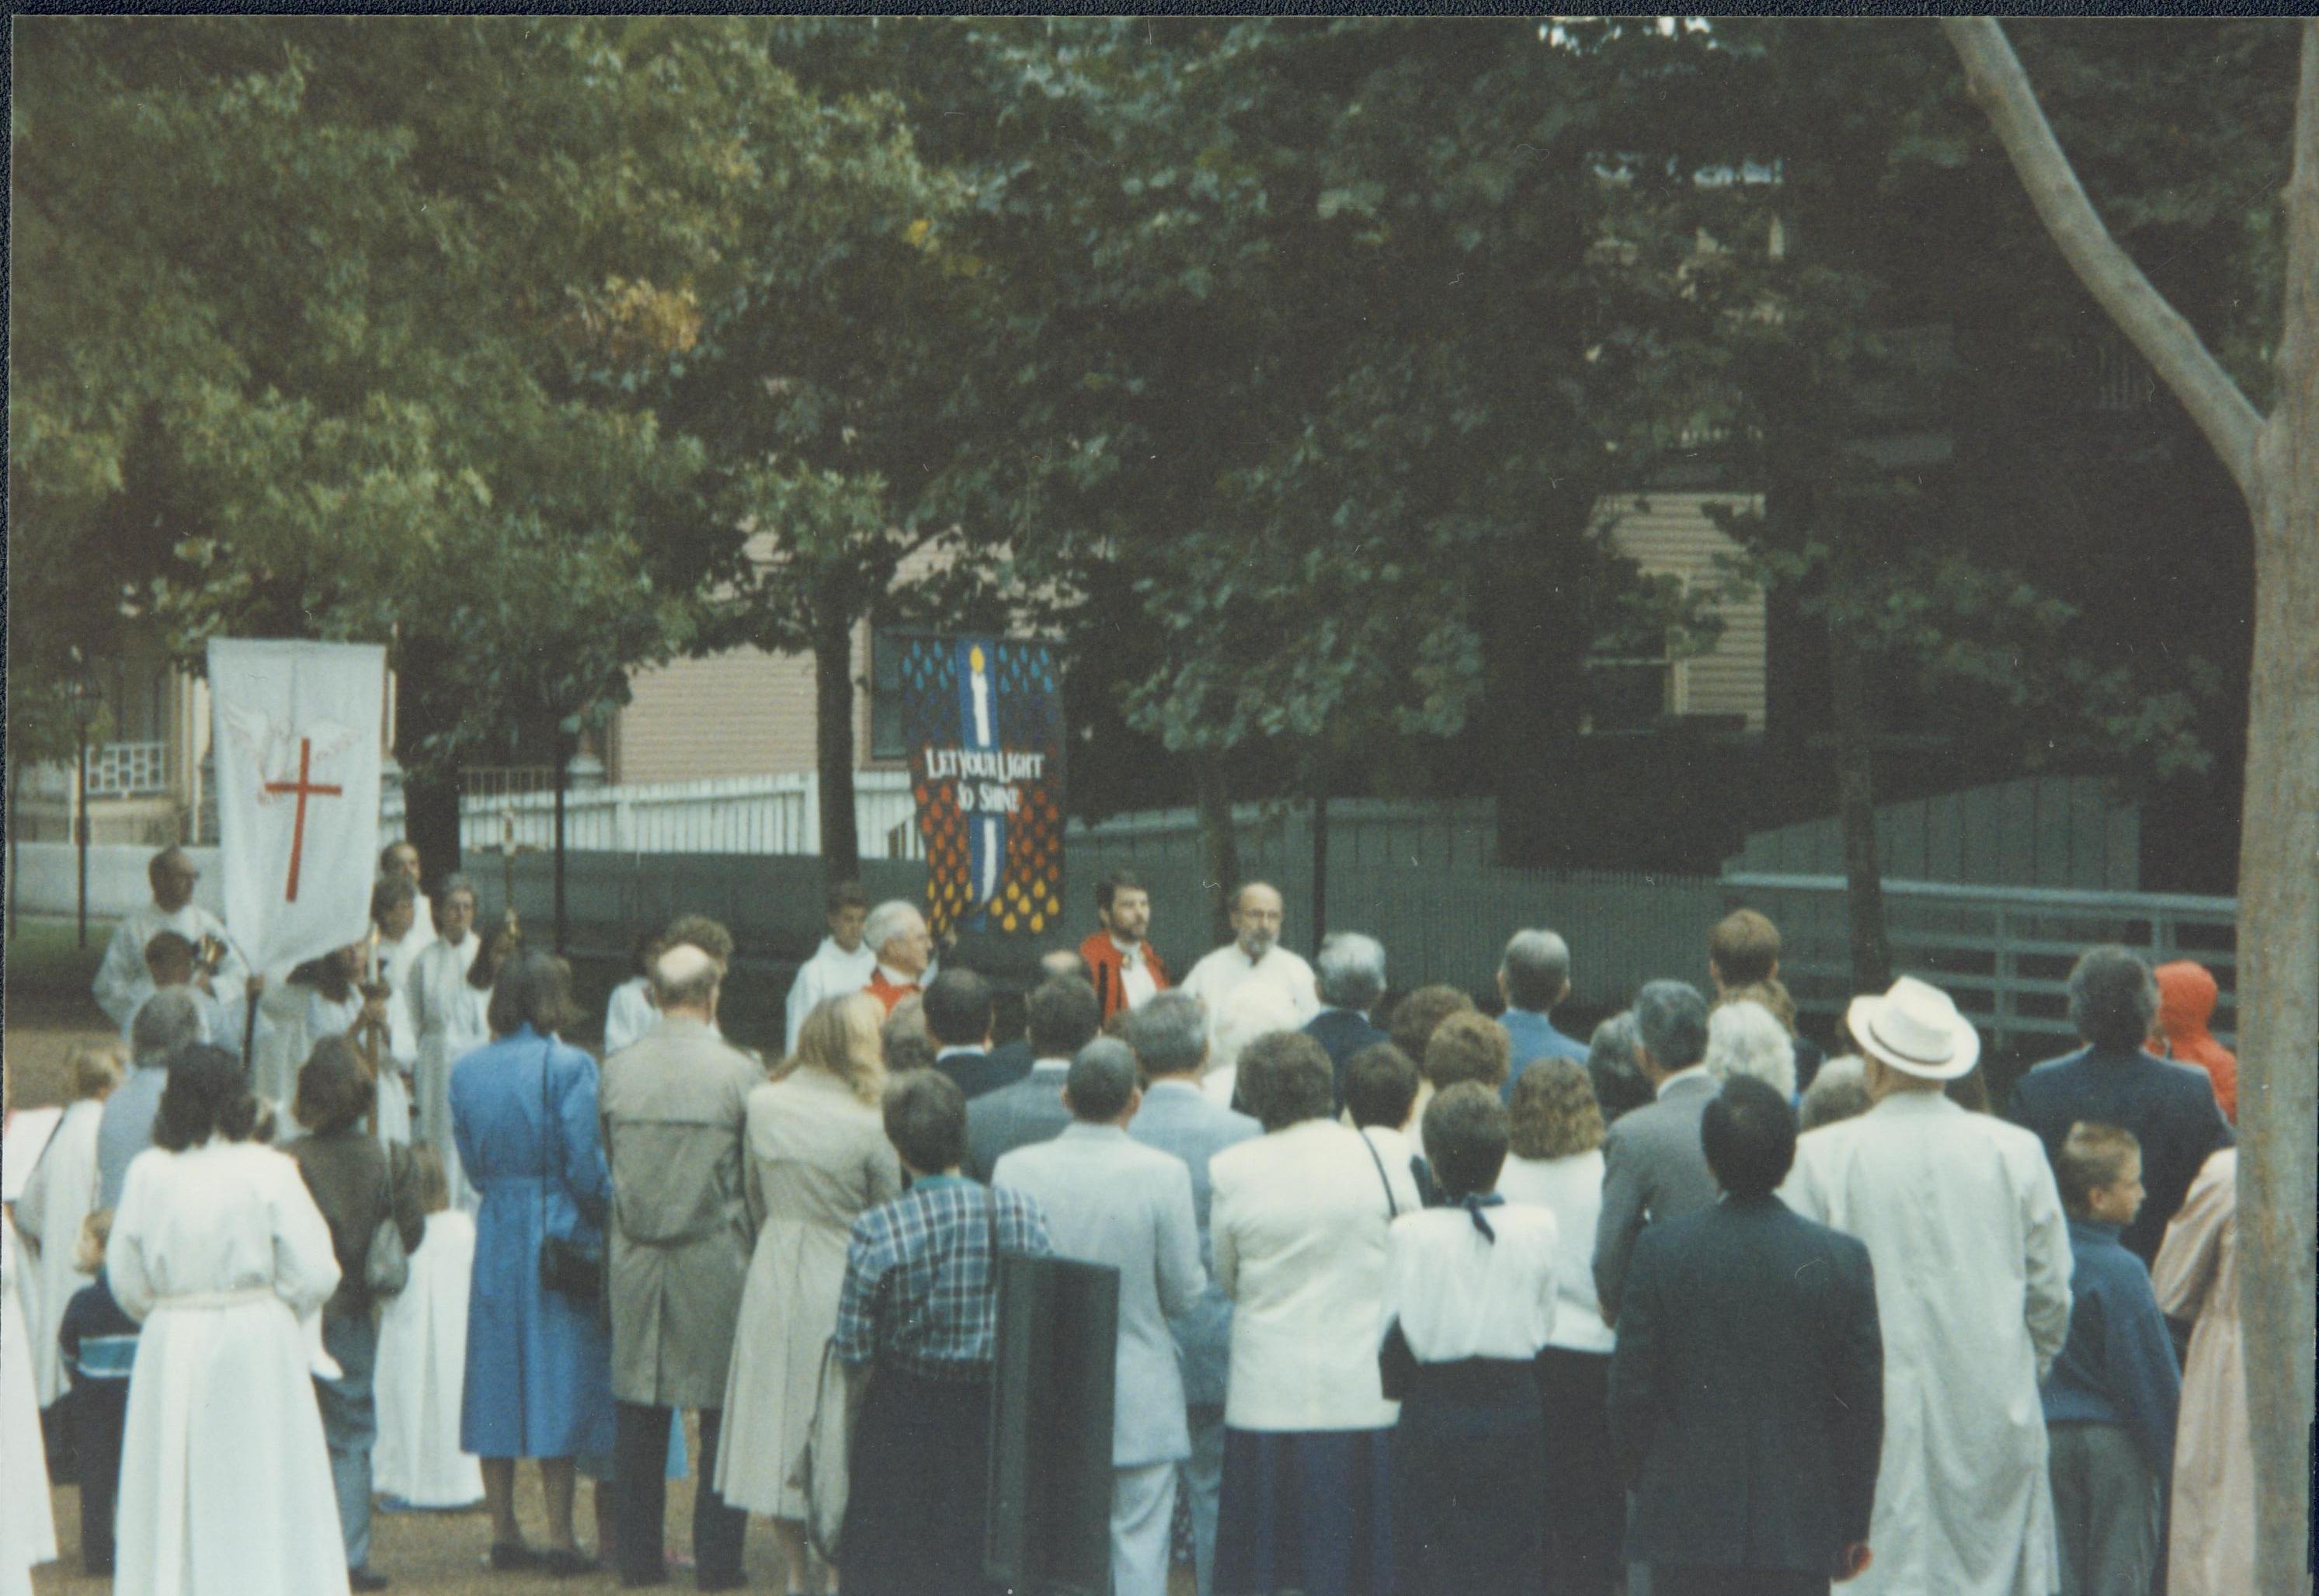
pixel 1653 1167
pixel 170 1021
pixel 675 1110
pixel 1112 1201
pixel 1169 1035
pixel 1532 977
pixel 2169 1108
pixel 1350 973
pixel 896 933
pixel 1254 954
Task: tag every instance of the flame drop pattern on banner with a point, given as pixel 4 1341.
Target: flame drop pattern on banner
pixel 1025 716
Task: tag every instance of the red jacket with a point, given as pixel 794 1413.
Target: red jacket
pixel 1103 959
pixel 886 992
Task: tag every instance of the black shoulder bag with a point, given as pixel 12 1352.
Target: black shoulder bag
pixel 567 1267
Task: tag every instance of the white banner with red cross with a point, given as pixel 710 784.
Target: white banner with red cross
pixel 295 738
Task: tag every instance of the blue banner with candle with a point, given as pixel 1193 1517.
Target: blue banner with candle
pixel 983 720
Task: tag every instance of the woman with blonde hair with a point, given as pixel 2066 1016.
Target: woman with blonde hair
pixel 57 1195
pixel 818 1159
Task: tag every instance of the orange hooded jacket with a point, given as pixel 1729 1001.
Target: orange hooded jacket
pixel 2186 1002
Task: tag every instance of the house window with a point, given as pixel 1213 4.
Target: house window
pixel 886 738
pixel 1626 695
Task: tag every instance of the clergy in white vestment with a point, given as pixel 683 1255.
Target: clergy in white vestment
pixel 57 1195
pixel 122 983
pixel 337 1005
pixel 1965 1226
pixel 449 1014
pixel 842 964
pixel 403 934
pixel 401 859
pixel 28 1529
pixel 217 1247
pixel 422 1361
pixel 1254 954
pixel 629 1012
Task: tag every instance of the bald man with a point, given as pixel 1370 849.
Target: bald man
pixel 675 1106
pixel 1254 954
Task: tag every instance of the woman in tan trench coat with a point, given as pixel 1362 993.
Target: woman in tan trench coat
pixel 818 1157
pixel 2196 1276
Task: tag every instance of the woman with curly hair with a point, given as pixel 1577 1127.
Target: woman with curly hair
pixel 818 1160
pixel 1555 1162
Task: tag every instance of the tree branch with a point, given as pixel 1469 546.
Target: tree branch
pixel 1999 86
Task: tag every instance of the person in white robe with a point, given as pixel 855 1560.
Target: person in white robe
pixel 423 1360
pixel 1964 1225
pixel 450 1017
pixel 218 1249
pixel 28 1528
pixel 336 1006
pixel 57 1198
pixel 842 964
pixel 629 1012
pixel 122 983
pixel 1254 955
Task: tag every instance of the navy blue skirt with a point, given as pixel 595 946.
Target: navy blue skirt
pixel 1469 1480
pixel 1306 1511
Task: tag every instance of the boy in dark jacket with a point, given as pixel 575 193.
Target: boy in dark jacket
pixel 99 1342
pixel 2110 1401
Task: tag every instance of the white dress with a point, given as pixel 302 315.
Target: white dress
pixel 449 1017
pixel 28 1531
pixel 56 1198
pixel 1971 1251
pixel 225 1486
pixel 422 1362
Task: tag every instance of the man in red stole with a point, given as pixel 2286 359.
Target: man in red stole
pixel 898 934
pixel 1121 962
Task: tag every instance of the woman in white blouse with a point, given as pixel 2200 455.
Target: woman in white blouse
pixel 1299 1219
pixel 1468 1302
pixel 1556 1165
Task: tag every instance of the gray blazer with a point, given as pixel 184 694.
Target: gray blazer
pixel 997 1123
pixel 1652 1169
pixel 1176 1117
pixel 1110 1201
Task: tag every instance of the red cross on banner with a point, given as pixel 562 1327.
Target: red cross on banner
pixel 304 788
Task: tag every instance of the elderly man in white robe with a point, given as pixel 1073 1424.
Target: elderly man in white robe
pixel 450 1022
pixel 122 983
pixel 1964 1225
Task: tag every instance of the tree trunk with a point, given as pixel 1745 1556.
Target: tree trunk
pixel 1863 880
pixel 2277 984
pixel 1219 844
pixel 833 678
pixel 16 836
pixel 431 786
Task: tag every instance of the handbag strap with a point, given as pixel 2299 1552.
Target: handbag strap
pixel 1392 1204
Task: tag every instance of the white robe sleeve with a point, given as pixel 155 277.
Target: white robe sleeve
pixel 2048 1261
pixel 305 1269
pixel 122 982
pixel 124 1251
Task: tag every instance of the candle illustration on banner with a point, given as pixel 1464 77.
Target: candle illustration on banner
pixel 989 836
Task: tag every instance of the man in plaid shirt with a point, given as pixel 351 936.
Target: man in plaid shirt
pixel 920 1302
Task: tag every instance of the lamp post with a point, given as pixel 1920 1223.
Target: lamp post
pixel 86 695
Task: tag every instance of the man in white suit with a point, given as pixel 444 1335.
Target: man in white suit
pixel 1112 1201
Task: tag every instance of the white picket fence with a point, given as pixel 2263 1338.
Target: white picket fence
pixel 721 815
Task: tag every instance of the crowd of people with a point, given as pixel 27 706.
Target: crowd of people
pixel 1413 1299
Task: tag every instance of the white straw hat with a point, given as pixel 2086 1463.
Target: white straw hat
pixel 1915 1029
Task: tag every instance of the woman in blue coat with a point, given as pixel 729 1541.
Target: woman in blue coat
pixel 539 1376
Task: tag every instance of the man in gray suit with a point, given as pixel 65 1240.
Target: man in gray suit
pixel 1064 1017
pixel 1111 1201
pixel 675 1106
pixel 1653 1167
pixel 1169 1035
